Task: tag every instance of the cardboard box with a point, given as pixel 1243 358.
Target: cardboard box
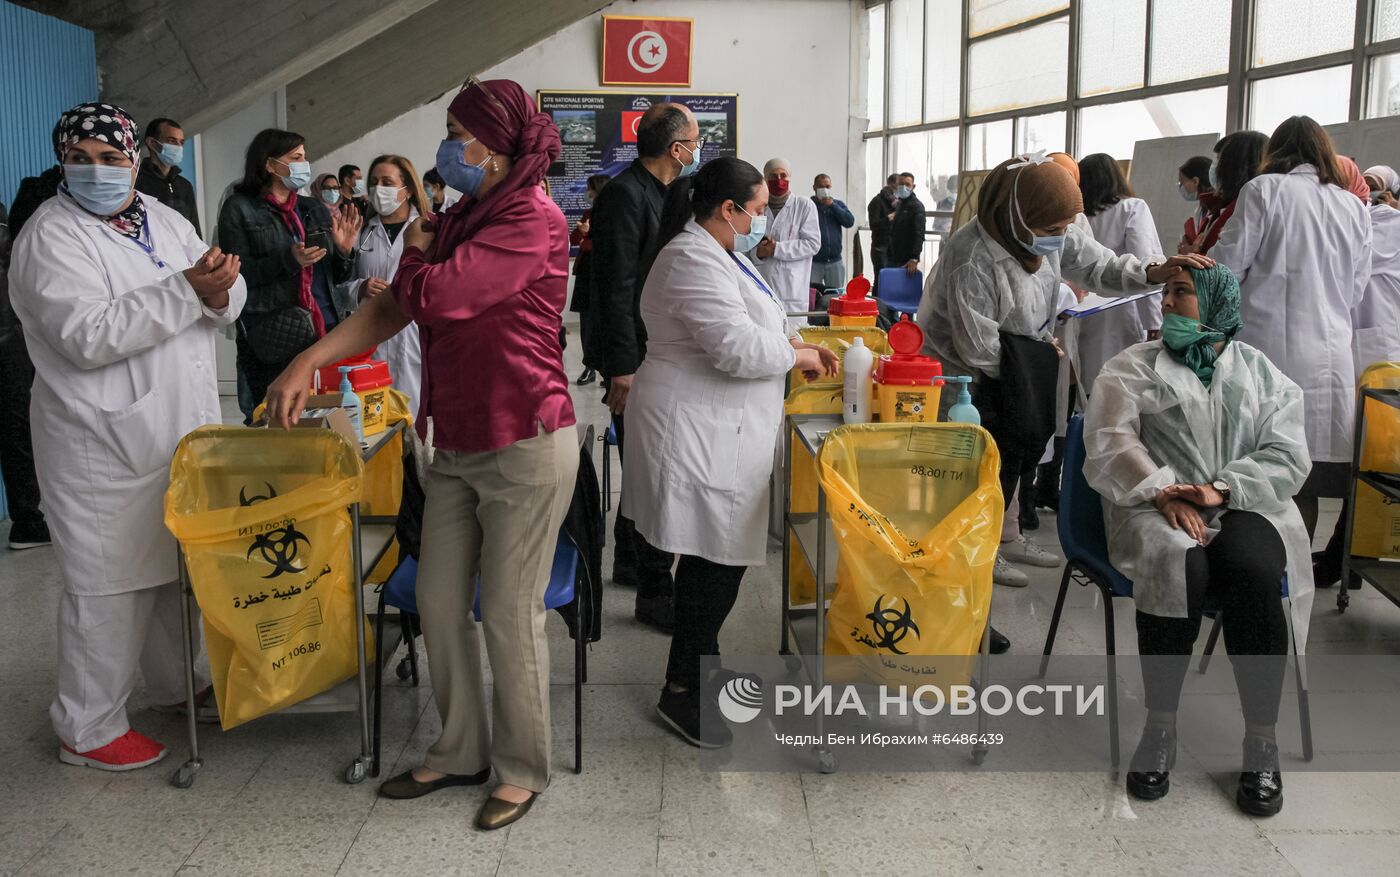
pixel 323 411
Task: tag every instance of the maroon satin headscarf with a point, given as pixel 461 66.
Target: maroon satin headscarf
pixel 503 117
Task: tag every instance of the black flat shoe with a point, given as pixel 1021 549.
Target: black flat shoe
pixel 1261 783
pixel 999 644
pixel 498 812
pixel 404 786
pixel 588 377
pixel 1148 775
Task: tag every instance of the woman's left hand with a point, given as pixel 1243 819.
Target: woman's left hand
pixel 830 362
pixel 345 229
pixel 1162 273
pixel 1200 495
pixel 419 234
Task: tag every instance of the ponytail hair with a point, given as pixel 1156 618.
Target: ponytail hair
pixel 699 196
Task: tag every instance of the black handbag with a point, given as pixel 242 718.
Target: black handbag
pixel 1023 407
pixel 277 337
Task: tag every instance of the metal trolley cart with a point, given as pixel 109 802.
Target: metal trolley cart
pixel 1384 575
pixel 370 539
pixel 808 540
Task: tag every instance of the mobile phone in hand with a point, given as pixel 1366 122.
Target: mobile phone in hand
pixel 319 238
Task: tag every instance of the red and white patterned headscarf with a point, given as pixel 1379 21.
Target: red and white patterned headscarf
pixel 114 126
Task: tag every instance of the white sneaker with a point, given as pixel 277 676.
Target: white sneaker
pixel 1023 550
pixel 1003 573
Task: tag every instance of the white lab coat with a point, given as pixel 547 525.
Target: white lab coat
pixel 798 236
pixel 1376 320
pixel 377 256
pixel 704 411
pixel 1302 253
pixel 977 289
pixel 1125 227
pixel 1152 423
pixel 124 357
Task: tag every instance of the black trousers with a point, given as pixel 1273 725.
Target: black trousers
pixel 1239 573
pixel 16 444
pixel 705 593
pixel 632 554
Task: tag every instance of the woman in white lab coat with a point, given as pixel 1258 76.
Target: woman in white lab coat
pixel 794 235
pixel 704 412
pixel 1122 222
pixel 120 305
pixel 395 199
pixel 1376 320
pixel 1301 246
pixel 1196 444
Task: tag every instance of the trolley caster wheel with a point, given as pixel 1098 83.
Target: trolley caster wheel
pixel 183 778
pixel 356 772
pixel 403 670
pixel 826 762
pixel 979 756
pixel 1343 601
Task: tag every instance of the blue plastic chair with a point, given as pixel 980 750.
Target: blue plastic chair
pixel 1079 522
pixel 400 592
pixel 900 291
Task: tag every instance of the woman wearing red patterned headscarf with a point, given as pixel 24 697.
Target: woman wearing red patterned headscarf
pixel 486 282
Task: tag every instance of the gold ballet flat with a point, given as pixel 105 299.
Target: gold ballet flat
pixel 498 813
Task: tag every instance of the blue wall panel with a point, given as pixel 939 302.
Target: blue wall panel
pixel 46 66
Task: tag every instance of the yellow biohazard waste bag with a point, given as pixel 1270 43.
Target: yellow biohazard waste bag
pixel 1376 530
pixel 261 516
pixel 837 339
pixel 384 481
pixel 917 512
pixel 802 484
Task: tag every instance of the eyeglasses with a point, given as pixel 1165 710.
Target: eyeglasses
pixel 698 141
pixel 490 95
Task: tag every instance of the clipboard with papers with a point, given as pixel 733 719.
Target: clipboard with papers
pixel 1097 304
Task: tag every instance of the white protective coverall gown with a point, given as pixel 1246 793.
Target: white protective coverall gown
pixel 1152 423
pixel 1302 253
pixel 978 289
pixel 797 236
pixel 1376 321
pixel 123 351
pixel 1125 227
pixel 704 412
pixel 377 256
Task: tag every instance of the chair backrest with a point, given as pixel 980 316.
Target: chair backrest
pixel 1080 518
pixel 901 291
pixel 400 591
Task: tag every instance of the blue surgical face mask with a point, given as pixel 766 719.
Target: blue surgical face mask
pixel 1044 245
pixel 298 174
pixel 98 189
pixel 757 228
pixel 1186 193
pixel 690 169
pixel 360 188
pixel 1214 180
pixel 330 196
pixel 903 192
pixel 455 172
pixel 172 154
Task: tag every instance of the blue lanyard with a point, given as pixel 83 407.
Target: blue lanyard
pixel 745 269
pixel 148 246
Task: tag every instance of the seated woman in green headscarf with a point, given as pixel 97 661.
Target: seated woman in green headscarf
pixel 1196 444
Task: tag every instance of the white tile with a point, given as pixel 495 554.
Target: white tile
pixel 1320 855
pixel 1069 853
pixel 278 841
pixel 22 839
pixel 580 843
pixel 432 843
pixel 1171 855
pixel 144 842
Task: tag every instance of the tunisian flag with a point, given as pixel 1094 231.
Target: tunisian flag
pixel 646 51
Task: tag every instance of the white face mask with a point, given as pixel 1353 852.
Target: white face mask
pixel 385 199
pixel 823 193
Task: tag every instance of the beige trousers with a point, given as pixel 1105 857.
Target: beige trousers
pixel 496 514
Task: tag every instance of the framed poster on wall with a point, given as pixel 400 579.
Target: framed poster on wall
pixel 599 133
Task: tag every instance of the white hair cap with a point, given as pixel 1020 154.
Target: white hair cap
pixel 776 164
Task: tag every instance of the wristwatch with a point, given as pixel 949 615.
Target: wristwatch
pixel 1223 488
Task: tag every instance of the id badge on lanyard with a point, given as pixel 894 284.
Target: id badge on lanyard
pixel 148 246
pixel 761 285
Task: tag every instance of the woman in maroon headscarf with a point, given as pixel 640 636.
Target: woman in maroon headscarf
pixel 485 281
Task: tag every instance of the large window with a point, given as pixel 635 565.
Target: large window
pixel 961 85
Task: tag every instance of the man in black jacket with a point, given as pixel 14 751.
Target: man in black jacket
pixel 907 233
pixel 625 222
pixel 160 176
pixel 28 528
pixel 880 214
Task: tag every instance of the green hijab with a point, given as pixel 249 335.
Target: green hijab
pixel 1192 341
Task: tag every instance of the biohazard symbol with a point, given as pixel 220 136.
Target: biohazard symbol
pixel 278 548
pixel 891 626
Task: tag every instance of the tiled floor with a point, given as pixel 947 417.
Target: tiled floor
pixel 270 799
